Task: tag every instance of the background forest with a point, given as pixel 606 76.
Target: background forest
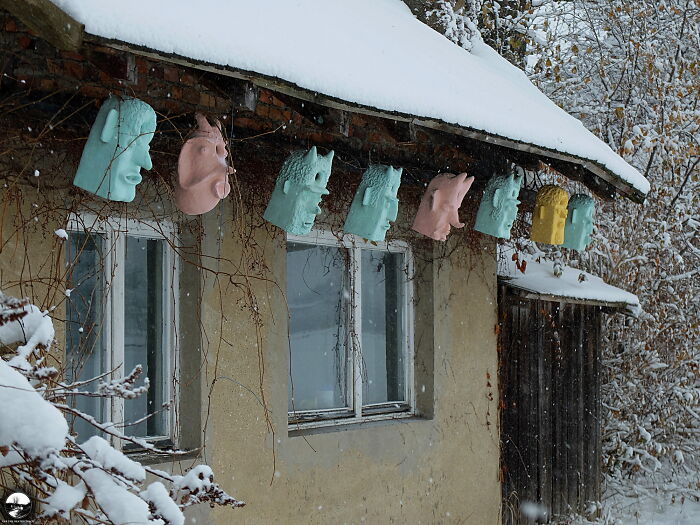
pixel 629 70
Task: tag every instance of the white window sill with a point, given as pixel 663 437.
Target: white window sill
pixel 298 429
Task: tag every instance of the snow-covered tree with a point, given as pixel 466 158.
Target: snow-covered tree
pixel 630 71
pixel 89 480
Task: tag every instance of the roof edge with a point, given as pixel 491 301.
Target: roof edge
pixel 611 306
pixel 48 13
pixel 598 171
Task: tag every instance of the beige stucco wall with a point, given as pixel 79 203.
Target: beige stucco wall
pixel 442 468
pixel 417 471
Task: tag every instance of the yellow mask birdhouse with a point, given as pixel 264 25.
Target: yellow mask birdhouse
pixel 549 217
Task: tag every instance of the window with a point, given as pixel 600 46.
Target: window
pixel 350 329
pixel 121 313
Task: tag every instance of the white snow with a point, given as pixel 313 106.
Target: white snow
pixel 36 325
pixel 540 278
pixel 165 507
pixel 111 459
pixel 64 498
pixel 27 420
pixel 61 233
pixel 371 52
pixel 121 506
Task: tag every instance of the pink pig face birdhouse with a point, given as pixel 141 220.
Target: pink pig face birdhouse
pixel 439 207
pixel 202 169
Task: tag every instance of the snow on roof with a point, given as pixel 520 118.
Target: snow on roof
pixel 539 278
pixel 370 52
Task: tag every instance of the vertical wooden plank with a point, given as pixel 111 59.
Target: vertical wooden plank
pixel 558 401
pixel 597 402
pixel 589 380
pixel 545 403
pixel 524 438
pixel 582 438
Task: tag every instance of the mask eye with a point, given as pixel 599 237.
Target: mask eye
pixel 318 177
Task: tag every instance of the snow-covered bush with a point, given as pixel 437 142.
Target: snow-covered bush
pixel 92 479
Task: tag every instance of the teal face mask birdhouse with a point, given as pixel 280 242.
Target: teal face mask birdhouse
pixel 298 190
pixel 499 206
pixel 375 205
pixel 579 222
pixel 117 148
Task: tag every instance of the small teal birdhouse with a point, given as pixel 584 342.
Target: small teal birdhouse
pixel 117 148
pixel 499 206
pixel 298 190
pixel 579 222
pixel 375 205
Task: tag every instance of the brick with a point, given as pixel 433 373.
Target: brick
pixel 176 93
pixel 205 99
pixel 262 109
pixel 74 69
pixel 222 104
pixel 188 79
pixel 25 42
pixel 171 74
pixel 277 102
pixel 54 67
pixel 47 84
pixel 190 95
pixel 72 55
pixel 94 91
pixel 249 123
pixel 264 96
pixel 280 115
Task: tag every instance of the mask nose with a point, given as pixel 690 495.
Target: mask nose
pixel 142 157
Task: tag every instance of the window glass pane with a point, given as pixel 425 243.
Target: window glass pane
pixel 318 296
pixel 144 326
pixel 85 350
pixel 383 337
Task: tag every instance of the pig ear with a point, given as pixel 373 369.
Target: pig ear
pixel 367 196
pixel 432 200
pixel 202 122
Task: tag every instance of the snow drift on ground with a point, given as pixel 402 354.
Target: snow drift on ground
pixel 371 52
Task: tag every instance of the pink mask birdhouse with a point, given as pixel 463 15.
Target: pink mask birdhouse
pixel 202 169
pixel 439 207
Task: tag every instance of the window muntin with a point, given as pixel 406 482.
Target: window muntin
pixel 359 296
pixel 125 299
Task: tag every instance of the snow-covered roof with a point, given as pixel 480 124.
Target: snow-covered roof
pixel 372 53
pixel 539 279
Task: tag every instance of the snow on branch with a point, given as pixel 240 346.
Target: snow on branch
pixel 92 480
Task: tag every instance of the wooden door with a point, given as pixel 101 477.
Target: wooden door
pixel 549 371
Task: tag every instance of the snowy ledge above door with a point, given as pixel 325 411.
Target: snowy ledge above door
pixel 371 53
pixel 571 286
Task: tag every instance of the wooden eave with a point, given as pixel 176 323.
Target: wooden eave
pixel 608 306
pixel 48 21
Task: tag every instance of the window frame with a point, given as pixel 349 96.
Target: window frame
pixel 115 231
pixel 302 419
